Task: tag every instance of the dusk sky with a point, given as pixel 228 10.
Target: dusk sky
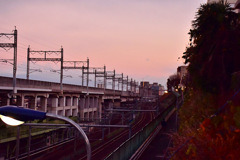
pixel 139 38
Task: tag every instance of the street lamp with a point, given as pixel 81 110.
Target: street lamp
pixel 10 121
pixel 13 115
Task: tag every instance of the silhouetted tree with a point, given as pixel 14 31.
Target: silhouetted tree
pixel 214 50
pixel 173 82
pixel 213 57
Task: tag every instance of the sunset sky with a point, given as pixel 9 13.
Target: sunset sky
pixel 139 38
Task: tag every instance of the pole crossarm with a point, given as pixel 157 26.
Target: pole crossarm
pixel 102 74
pixel 118 76
pixel 74 64
pixel 6 34
pixel 7 45
pixel 110 74
pixel 49 52
pixel 93 70
pixel 68 67
pixel 45 59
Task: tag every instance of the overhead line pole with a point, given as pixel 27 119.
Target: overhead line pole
pixel 122 81
pixel 61 74
pixel 14 46
pixel 15 61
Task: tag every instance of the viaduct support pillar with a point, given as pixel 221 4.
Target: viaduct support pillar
pixel 54 105
pixel 43 104
pixel 5 100
pixel 20 100
pixel 54 102
pixel 33 102
pixel 61 104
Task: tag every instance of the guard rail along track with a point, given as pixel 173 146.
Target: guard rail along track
pixel 131 148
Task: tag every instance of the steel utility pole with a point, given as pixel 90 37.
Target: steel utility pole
pixel 127 83
pixel 131 84
pixel 122 81
pixel 7 46
pixel 135 86
pixel 61 72
pixel 83 72
pixel 113 80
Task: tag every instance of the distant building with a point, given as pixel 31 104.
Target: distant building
pixel 150 91
pixel 237 6
pixel 155 89
pixel 182 72
pixel 144 89
pixel 144 84
pixel 161 90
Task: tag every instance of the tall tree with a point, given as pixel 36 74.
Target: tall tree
pixel 214 50
pixel 213 57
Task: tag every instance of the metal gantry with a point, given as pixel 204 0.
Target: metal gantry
pixel 98 72
pixel 101 74
pixel 45 57
pixel 76 65
pixel 111 75
pixel 13 61
pixel 119 79
pixel 125 81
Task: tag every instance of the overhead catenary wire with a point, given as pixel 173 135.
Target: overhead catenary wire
pixel 24 42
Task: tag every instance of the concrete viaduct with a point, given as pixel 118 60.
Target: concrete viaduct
pixel 75 100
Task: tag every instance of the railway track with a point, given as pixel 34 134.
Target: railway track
pixel 99 151
pixel 110 145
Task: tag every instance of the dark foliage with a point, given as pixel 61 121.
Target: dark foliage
pixel 214 51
